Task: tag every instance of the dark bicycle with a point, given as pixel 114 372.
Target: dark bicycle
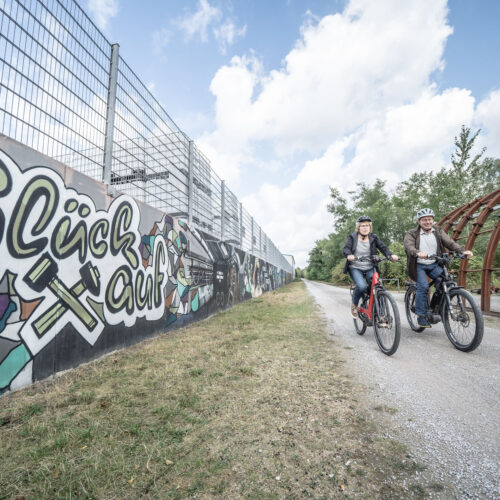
pixel 451 304
pixel 378 309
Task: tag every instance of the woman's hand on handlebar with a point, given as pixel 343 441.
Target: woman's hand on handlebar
pixel 351 258
pixel 395 258
pixel 468 254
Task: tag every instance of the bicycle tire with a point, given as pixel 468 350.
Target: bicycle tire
pixel 458 332
pixel 386 323
pixel 410 308
pixel 359 325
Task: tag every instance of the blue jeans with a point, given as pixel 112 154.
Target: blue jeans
pixel 362 280
pixel 424 270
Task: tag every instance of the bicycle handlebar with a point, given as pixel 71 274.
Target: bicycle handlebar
pixel 446 257
pixel 375 259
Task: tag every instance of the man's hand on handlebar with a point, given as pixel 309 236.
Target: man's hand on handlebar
pixel 394 257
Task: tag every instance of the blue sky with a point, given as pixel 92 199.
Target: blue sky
pixel 287 98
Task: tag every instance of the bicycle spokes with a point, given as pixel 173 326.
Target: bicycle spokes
pixel 463 321
pixel 386 323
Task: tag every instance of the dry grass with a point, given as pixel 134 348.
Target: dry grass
pixel 252 403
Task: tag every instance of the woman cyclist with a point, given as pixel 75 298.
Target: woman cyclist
pixel 362 243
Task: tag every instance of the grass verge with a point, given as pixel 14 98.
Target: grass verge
pixel 251 403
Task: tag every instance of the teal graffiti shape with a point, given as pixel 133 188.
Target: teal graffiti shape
pixel 195 303
pixel 13 364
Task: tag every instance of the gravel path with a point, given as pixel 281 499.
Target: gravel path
pixel 447 402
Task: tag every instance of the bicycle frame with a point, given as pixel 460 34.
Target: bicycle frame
pixel 446 286
pixel 375 284
pixel 451 304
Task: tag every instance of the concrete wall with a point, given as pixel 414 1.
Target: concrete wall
pixel 83 273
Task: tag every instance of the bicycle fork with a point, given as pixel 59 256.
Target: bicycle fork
pixel 379 309
pixel 461 310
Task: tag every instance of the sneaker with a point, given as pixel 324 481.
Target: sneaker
pixel 354 310
pixel 422 322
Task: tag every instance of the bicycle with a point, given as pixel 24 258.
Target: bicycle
pixel 378 309
pixel 451 305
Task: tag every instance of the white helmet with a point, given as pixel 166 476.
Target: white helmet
pixel 425 212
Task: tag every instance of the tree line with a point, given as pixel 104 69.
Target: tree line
pixel 393 212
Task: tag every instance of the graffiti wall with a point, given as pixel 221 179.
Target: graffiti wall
pixel 83 273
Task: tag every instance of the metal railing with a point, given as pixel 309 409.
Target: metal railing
pixel 66 92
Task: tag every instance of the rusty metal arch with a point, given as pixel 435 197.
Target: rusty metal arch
pixel 478 210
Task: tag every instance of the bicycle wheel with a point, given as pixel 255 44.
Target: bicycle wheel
pixel 386 323
pixel 463 323
pixel 410 309
pixel 359 324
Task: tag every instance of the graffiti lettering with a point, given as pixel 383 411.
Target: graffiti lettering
pixel 5 188
pixel 38 188
pixel 99 249
pixel 120 290
pixel 67 264
pixel 141 299
pixel 117 300
pixel 64 244
pixel 123 242
pixel 159 263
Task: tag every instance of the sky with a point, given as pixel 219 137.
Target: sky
pixel 289 97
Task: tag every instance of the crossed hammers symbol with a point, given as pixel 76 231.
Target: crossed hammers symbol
pixel 44 274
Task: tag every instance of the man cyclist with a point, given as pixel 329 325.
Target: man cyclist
pixel 424 240
pixel 362 243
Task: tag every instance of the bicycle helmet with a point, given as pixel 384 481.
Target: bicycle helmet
pixel 363 218
pixel 425 212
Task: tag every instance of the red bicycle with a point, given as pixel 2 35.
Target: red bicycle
pixel 380 310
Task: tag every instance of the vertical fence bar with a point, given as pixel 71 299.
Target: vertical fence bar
pixel 222 209
pixel 241 225
pixel 110 114
pixel 252 236
pixel 190 184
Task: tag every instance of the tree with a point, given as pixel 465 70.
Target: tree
pixel 463 181
pixel 393 213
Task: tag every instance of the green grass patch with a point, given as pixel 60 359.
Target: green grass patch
pixel 255 402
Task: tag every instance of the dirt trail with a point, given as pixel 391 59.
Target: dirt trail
pixel 446 404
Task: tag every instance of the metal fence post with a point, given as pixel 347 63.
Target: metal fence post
pixel 241 225
pixel 222 209
pixel 190 184
pixel 110 114
pixel 252 237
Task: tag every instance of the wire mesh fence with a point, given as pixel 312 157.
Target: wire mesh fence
pixel 65 91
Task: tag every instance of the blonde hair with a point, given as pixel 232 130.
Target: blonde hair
pixel 364 222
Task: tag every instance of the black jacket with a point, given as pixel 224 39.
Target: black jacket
pixel 352 243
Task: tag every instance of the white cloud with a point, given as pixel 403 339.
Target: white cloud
pixel 161 38
pixel 488 117
pixel 392 145
pixel 342 71
pixel 356 94
pixel 199 22
pixel 211 20
pixel 228 146
pixel 227 33
pixel 103 11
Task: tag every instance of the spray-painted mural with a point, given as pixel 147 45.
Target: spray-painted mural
pixel 77 281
